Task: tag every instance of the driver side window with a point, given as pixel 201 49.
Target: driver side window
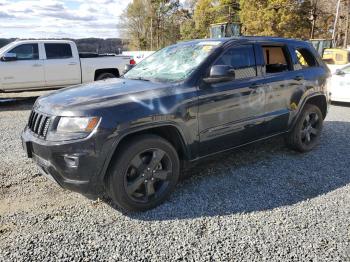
pixel 26 52
pixel 241 59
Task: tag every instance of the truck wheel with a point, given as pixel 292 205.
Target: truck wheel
pixel 307 131
pixel 144 174
pixel 105 76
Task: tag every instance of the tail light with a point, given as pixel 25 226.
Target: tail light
pixel 132 62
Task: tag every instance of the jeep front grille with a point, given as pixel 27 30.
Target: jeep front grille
pixel 39 123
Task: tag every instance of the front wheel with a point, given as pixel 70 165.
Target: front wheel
pixel 144 174
pixel 307 131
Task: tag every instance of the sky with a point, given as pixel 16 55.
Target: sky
pixel 60 18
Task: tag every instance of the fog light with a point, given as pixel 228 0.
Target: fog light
pixel 71 161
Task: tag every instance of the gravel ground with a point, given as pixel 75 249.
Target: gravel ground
pixel 260 203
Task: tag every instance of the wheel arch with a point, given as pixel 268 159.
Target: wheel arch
pixel 169 132
pixel 113 71
pixel 319 100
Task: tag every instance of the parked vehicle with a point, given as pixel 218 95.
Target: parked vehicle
pixel 129 138
pixel 336 58
pixel 340 85
pixel 40 64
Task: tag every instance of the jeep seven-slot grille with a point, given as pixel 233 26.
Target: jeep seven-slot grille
pixel 39 123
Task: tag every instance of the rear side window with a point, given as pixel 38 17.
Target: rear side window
pixel 26 52
pixel 241 59
pixel 275 59
pixel 305 59
pixel 58 51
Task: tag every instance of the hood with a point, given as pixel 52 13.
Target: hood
pixel 98 95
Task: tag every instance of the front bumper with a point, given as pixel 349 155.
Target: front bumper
pixel 74 165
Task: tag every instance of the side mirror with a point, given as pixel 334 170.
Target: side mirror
pixel 220 73
pixel 128 67
pixel 9 57
pixel 339 72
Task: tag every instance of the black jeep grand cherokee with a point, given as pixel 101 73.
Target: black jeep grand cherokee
pixel 128 138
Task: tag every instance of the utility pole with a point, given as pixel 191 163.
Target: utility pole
pixel 151 33
pixel 335 24
pixel 313 19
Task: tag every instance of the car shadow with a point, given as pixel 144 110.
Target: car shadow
pixel 343 104
pixel 17 104
pixel 259 177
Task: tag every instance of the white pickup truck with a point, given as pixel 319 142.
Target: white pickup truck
pixel 41 64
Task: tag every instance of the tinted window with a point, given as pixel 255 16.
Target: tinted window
pixel 305 59
pixel 242 59
pixel 275 59
pixel 26 52
pixel 58 51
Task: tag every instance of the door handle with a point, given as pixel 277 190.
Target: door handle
pixel 72 63
pixel 299 78
pixel 37 65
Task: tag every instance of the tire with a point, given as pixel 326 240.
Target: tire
pixel 307 131
pixel 104 76
pixel 138 180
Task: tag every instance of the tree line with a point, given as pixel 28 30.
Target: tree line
pixel 153 24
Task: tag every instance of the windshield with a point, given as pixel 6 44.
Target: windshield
pixel 174 63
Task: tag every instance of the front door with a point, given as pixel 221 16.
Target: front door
pixel 232 113
pixel 25 72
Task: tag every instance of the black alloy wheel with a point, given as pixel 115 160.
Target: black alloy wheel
pixel 144 173
pixel 310 129
pixel 148 175
pixel 306 133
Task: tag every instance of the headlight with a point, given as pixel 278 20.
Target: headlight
pixel 69 128
pixel 77 124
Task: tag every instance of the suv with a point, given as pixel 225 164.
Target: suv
pixel 128 138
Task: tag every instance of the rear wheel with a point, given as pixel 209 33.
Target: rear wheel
pixel 307 131
pixel 103 76
pixel 144 174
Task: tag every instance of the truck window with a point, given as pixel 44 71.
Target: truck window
pixel 275 59
pixel 305 59
pixel 26 52
pixel 58 51
pixel 242 59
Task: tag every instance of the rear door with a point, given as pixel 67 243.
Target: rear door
pixel 26 72
pixel 231 113
pixel 281 83
pixel 290 70
pixel 61 67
